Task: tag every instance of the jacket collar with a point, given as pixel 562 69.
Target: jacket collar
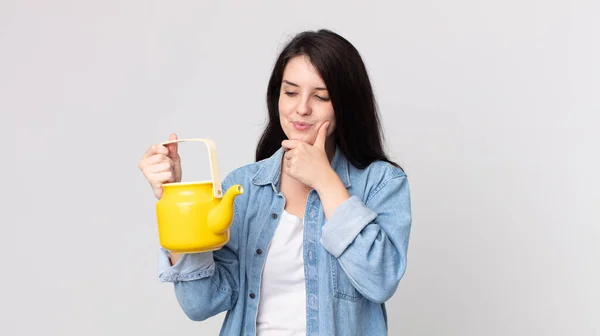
pixel 270 170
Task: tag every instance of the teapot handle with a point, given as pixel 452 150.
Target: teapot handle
pixel 214 163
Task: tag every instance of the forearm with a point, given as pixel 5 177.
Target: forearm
pixel 332 193
pixel 370 241
pixel 204 298
pixel 205 283
pixel 374 264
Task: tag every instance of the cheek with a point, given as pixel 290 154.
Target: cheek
pixel 331 117
pixel 283 113
pixel 331 128
pixel 332 124
pixel 284 106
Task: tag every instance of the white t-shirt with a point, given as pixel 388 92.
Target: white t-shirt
pixel 282 305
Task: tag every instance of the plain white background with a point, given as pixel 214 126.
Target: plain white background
pixel 490 106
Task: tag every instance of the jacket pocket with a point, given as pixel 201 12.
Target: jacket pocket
pixel 342 287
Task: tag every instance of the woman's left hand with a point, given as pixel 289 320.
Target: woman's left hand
pixel 305 163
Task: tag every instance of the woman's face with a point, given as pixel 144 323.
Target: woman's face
pixel 304 103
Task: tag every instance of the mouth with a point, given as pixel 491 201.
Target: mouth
pixel 301 126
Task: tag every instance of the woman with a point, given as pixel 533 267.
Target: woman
pixel 319 238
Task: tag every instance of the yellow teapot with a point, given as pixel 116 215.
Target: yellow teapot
pixel 195 216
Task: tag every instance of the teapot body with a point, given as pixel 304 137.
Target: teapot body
pixel 183 218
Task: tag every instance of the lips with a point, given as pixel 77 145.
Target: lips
pixel 301 126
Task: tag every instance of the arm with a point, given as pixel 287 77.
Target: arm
pixel 205 283
pixel 369 239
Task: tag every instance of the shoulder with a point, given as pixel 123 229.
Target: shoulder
pixel 244 174
pixel 376 172
pixel 377 177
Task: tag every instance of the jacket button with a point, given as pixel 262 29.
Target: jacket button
pixel 259 251
pixel 252 296
pixel 274 215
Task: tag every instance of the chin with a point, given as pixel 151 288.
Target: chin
pixel 299 137
pixel 295 137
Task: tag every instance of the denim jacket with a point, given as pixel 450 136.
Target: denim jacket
pixel 353 262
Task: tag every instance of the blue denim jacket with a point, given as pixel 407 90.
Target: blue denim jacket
pixel 353 262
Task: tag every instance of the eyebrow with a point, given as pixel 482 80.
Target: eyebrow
pixel 296 85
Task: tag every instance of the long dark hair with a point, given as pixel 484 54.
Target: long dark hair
pixel 358 131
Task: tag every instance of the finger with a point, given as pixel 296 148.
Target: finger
pixel 156 158
pixel 160 167
pixel 290 144
pixel 173 147
pixel 321 136
pixel 149 152
pixel 160 149
pixel 164 177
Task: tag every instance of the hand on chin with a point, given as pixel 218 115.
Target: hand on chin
pixel 307 162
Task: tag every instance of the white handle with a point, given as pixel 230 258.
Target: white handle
pixel 214 163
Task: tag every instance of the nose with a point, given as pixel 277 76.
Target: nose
pixel 303 108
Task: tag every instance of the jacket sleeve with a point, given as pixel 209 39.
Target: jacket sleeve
pixel 370 238
pixel 206 283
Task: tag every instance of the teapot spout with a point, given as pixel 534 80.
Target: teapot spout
pixel 220 217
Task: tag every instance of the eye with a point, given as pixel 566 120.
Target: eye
pixel 323 98
pixel 291 94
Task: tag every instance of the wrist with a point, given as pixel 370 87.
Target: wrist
pixel 332 193
pixel 327 181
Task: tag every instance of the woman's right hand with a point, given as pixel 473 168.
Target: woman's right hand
pixel 161 164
